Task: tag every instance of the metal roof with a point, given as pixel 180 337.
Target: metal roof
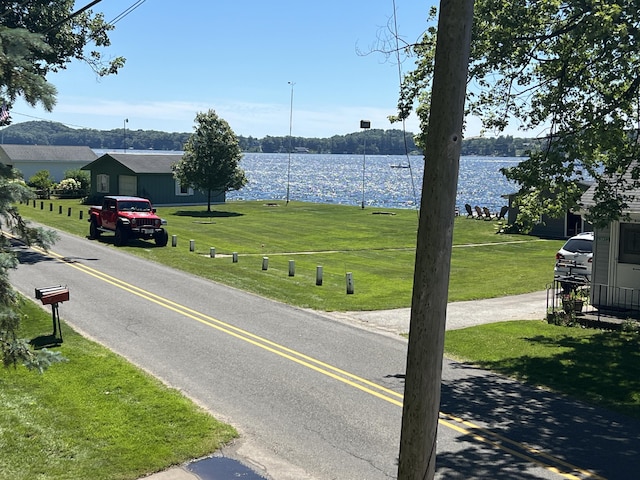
pixel 45 153
pixel 142 163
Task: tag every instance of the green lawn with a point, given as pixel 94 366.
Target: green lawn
pixel 376 245
pixel 95 416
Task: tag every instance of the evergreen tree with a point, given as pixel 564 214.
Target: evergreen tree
pixel 36 37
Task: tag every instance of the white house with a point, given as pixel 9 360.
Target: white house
pixel 616 259
pixel 29 159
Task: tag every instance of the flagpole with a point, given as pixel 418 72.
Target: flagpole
pixel 290 127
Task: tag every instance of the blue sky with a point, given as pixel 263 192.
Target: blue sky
pixel 237 58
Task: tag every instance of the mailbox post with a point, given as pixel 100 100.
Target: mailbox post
pixel 53 296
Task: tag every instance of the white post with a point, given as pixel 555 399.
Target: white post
pixel 292 268
pixel 265 263
pixel 318 275
pixel 234 256
pixel 212 252
pixel 192 245
pixel 349 283
pixel 174 240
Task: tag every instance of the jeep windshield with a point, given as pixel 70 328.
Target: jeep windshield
pixel 135 207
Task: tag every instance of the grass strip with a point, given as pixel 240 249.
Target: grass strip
pixel 95 416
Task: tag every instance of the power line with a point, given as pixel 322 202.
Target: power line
pixel 126 12
pixel 13 112
pixel 74 14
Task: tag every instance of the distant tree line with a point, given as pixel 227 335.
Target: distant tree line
pixel 503 146
pixel 371 142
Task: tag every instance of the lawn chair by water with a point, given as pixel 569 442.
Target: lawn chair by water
pixel 503 212
pixel 487 213
pixel 467 207
pixel 479 213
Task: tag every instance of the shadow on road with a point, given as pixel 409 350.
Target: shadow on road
pixel 587 437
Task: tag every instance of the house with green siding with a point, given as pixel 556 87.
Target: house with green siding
pixel 143 175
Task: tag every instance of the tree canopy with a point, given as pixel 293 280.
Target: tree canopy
pixel 211 157
pixel 37 37
pixel 569 70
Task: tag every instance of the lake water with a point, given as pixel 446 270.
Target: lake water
pixel 339 179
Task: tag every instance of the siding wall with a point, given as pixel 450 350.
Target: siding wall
pixel 602 246
pixel 56 169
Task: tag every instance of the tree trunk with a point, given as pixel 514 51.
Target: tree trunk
pixel 209 200
pixel 435 236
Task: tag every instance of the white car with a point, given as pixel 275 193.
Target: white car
pixel 575 258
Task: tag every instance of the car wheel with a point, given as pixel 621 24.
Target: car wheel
pixel 93 230
pixel 161 238
pixel 121 237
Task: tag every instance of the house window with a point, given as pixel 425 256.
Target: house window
pixel 629 243
pixel 103 183
pixel 183 190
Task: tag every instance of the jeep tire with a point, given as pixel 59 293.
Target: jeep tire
pixel 161 238
pixel 94 232
pixel 121 236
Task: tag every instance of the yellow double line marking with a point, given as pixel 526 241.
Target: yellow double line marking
pixel 464 427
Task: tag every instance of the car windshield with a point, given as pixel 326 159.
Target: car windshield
pixel 135 206
pixel 579 245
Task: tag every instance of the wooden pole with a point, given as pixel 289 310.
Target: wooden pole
pixel 435 236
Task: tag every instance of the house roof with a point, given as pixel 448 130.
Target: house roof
pixel 633 202
pixel 140 163
pixel 45 153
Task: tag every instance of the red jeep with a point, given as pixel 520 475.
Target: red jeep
pixel 127 217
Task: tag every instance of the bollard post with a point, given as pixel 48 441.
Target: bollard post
pixel 349 283
pixel 265 263
pixel 34 203
pixel 318 275
pixel 234 257
pixel 80 215
pixel 69 212
pixel 192 245
pixel 41 205
pixel 51 207
pixel 292 268
pixel 174 240
pixel 212 252
pixel 60 209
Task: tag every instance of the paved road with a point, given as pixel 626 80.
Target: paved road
pixel 316 398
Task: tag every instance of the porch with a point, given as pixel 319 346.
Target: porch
pixel 572 299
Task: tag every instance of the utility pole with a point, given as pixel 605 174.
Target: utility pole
pixel 290 131
pixel 417 459
pixel 124 135
pixel 364 125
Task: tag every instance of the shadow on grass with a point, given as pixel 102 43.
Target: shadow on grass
pixel 132 242
pixel 603 369
pixel 45 341
pixel 205 214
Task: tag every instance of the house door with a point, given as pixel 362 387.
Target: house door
pixel 574 224
pixel 128 185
